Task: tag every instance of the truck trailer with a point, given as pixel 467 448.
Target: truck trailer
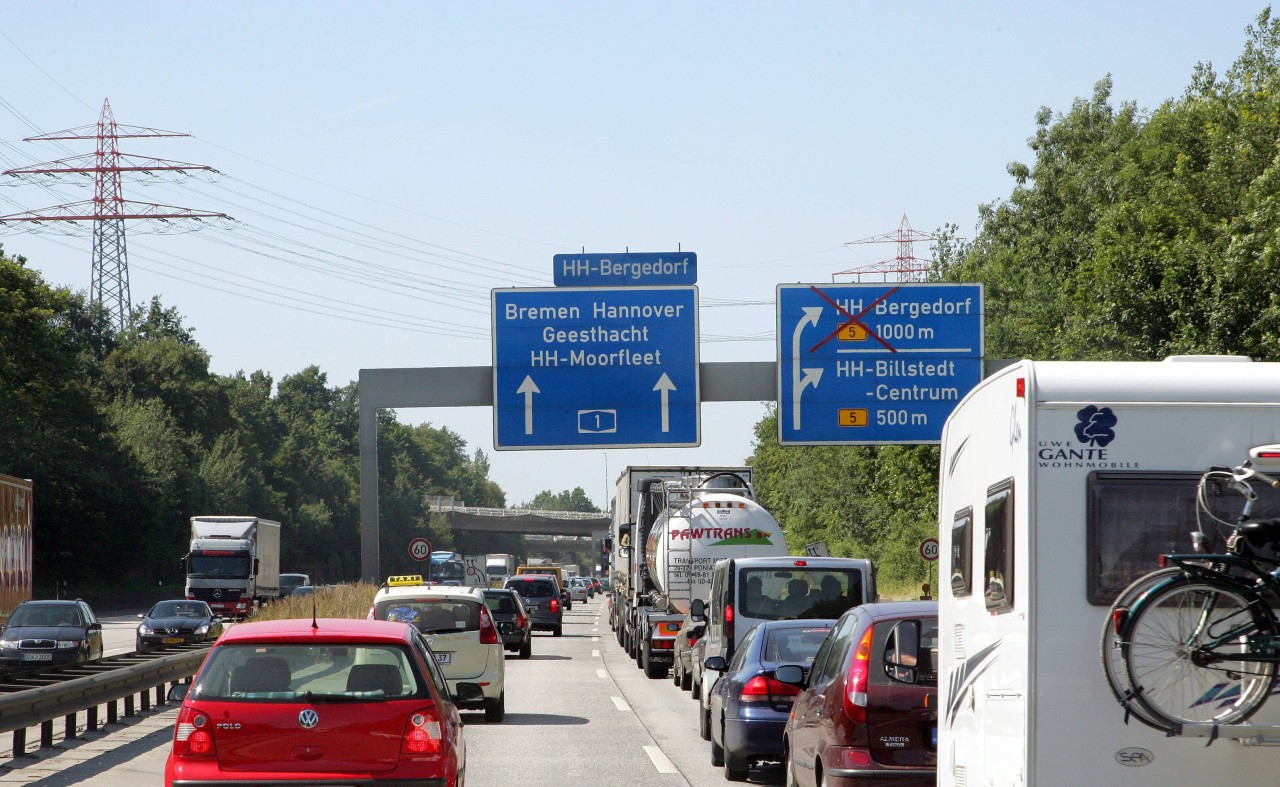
pixel 16 512
pixel 233 563
pixel 1060 483
pixel 671 525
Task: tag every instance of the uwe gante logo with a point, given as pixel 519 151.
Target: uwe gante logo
pixel 1096 427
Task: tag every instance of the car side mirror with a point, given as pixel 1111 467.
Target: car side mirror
pixel 791 674
pixel 698 610
pixel 178 692
pixel 93 627
pixel 716 664
pixel 902 652
pixel 141 615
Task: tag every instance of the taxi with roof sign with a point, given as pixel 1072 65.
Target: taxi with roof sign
pixel 460 629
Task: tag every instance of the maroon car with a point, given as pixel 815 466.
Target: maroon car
pixel 868 713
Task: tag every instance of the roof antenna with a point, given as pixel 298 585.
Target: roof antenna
pixel 314 625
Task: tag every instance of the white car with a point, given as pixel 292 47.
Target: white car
pixel 460 630
pixel 578 589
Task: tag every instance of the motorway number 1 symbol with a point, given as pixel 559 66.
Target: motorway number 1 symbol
pixel 929 549
pixel 419 549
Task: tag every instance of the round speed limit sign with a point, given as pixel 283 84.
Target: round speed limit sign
pixel 929 549
pixel 419 549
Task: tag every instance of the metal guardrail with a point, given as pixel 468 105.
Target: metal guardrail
pixel 40 706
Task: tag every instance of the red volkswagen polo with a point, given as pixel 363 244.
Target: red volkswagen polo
pixel 333 701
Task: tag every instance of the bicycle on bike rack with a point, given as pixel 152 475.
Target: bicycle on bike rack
pixel 1196 642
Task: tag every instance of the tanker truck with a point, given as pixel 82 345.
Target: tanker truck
pixel 670 527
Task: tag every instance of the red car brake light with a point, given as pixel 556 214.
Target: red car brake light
pixel 728 621
pixel 488 632
pixel 193 735
pixel 554 606
pixel 764 688
pixel 422 733
pixel 855 689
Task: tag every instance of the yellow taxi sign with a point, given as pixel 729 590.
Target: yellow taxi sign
pixel 404 579
pixel 853 416
pixel 852 332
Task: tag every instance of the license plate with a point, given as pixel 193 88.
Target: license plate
pixel 444 658
pixel 172 640
pixel 533 608
pixel 37 657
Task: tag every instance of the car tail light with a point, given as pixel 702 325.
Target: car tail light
pixel 854 758
pixel 521 622
pixel 855 688
pixel 422 733
pixel 554 606
pixel 193 735
pixel 763 688
pixel 488 632
pixel 728 622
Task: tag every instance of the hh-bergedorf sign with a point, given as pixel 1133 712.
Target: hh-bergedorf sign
pixel 641 269
pixel 599 367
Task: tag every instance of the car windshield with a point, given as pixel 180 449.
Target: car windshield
pixel 292 580
pixel 179 609
pixel 534 588
pixel 779 594
pixel 308 673
pixel 431 614
pixel 31 615
pixel 794 645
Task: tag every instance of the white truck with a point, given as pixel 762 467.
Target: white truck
pixel 498 567
pixel 671 525
pixel 16 511
pixel 1061 482
pixel 233 563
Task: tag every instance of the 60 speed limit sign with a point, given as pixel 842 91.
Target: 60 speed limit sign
pixel 929 549
pixel 419 549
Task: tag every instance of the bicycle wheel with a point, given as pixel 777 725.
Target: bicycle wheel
pixel 1109 647
pixel 1164 644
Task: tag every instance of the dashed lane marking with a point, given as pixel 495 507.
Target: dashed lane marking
pixel 660 761
pixel 620 704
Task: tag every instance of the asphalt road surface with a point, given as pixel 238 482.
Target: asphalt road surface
pixel 578 712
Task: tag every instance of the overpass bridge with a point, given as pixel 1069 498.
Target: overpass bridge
pixel 521 521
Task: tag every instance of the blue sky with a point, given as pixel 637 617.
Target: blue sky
pixel 456 147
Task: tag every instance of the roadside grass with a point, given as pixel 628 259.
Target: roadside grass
pixel 335 601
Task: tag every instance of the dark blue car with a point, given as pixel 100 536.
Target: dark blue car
pixel 749 708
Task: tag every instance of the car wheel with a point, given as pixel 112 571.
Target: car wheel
pixel 495 710
pixel 526 649
pixel 675 673
pixel 704 721
pixel 734 769
pixel 686 680
pixel 717 751
pixel 789 779
pixel 559 630
pixel 653 671
pixel 140 647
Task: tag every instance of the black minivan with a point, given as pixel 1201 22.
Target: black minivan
pixel 541 597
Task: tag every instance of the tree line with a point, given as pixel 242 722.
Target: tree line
pixel 1131 235
pixel 127 434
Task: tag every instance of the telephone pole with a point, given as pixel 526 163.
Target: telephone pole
pixel 108 210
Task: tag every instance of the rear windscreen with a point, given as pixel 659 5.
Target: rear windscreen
pixel 431 614
pixel 794 645
pixel 533 588
pixel 308 673
pixel 779 594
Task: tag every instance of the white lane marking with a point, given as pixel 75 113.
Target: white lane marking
pixel 660 761
pixel 602 674
pixel 595 654
pixel 595 639
pixel 620 704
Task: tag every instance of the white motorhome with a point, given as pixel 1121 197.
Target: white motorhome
pixel 1060 483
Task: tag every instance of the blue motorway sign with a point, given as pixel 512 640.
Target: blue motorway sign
pixel 595 368
pixel 875 363
pixel 626 270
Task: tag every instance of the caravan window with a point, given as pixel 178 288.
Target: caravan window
pixel 1134 517
pixel 998 557
pixel 962 553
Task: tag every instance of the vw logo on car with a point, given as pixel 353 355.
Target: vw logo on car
pixel 308 719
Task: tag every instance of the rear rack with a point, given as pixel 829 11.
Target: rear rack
pixel 1245 734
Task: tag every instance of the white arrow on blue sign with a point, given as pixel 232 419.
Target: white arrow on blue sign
pixel 875 363
pixel 595 367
